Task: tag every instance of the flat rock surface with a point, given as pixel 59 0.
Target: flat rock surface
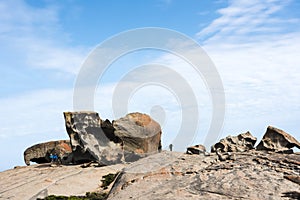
pixel 42 180
pixel 166 175
pixel 169 175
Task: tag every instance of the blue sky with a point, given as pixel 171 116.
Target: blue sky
pixel 253 44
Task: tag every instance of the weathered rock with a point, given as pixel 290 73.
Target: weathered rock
pixel 223 156
pixel 252 175
pixel 168 175
pixel 39 181
pixel 197 149
pixel 126 139
pixel 277 140
pixel 89 141
pixel 40 153
pixel 139 133
pixel 295 179
pixel 242 142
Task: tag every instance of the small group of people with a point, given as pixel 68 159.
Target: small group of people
pixel 53 158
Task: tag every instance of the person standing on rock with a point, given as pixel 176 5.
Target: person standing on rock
pixel 171 147
pixel 55 158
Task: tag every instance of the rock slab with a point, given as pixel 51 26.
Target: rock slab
pixel 170 175
pixel 277 140
pixel 41 180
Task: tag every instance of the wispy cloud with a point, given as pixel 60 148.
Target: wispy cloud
pixel 35 113
pixel 38 36
pixel 254 47
pixel 35 54
pixel 170 88
pixel 242 19
pixel 31 118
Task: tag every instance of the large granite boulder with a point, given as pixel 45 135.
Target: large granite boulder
pixel 242 142
pixel 139 133
pixel 40 153
pixel 277 140
pixel 124 140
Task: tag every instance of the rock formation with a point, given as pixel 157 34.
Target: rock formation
pixel 126 139
pixel 40 153
pixel 140 134
pixel 39 181
pixel 277 140
pixel 88 140
pixel 242 142
pixel 197 149
pixel 167 175
pixel 235 171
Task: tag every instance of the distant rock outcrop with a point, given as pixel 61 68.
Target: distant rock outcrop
pixel 242 142
pixel 277 140
pixel 40 153
pixel 126 139
pixel 197 149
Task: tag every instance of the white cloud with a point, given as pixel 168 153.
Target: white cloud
pixel 46 55
pixel 36 36
pixel 32 41
pixel 147 86
pixel 31 118
pixel 256 52
pixel 35 113
pixel 258 63
pixel 241 18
